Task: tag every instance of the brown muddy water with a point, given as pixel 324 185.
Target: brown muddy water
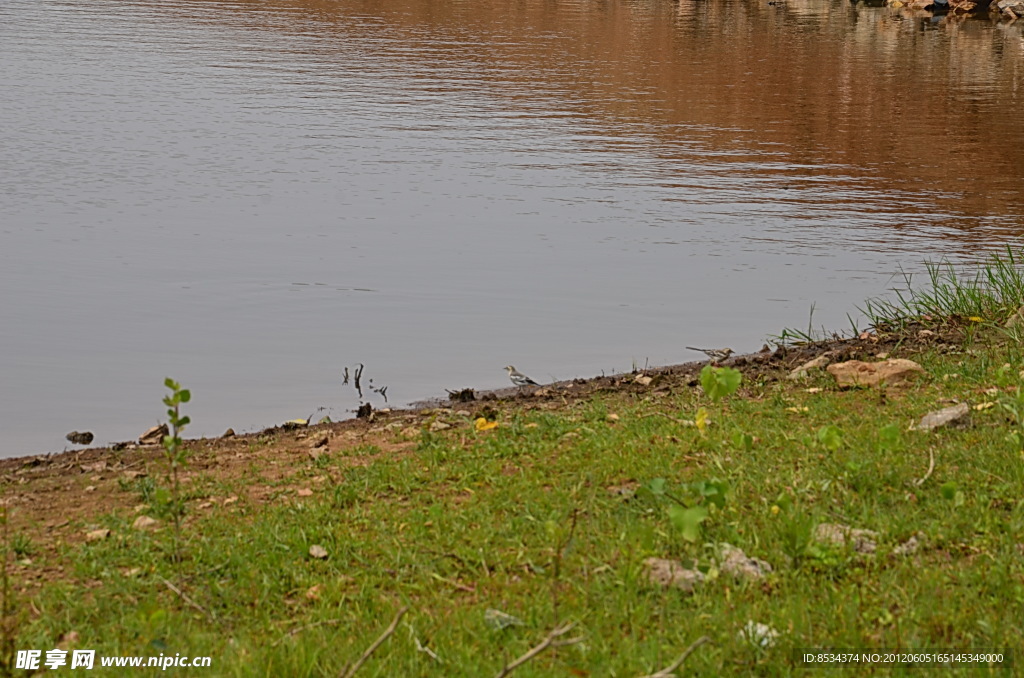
pixel 252 196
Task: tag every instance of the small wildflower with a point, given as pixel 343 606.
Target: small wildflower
pixel 484 425
pixel 702 420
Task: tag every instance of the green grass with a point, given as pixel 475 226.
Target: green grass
pixel 524 519
pixel 455 529
pixel 991 292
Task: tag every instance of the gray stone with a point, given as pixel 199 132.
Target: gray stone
pixel 908 547
pixel 802 371
pixel 97 535
pixel 862 541
pixel 671 573
pixel 955 415
pixel 737 563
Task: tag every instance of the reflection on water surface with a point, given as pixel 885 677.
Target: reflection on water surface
pixel 251 196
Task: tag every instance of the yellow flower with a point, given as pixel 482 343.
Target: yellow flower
pixel 976 319
pixel 702 420
pixel 484 425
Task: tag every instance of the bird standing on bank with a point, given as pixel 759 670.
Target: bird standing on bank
pixel 717 355
pixel 518 378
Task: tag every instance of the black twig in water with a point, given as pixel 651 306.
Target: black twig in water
pixel 345 376
pixel 358 376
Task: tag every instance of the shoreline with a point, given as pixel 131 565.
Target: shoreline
pixel 575 389
pixel 454 517
pixel 71 484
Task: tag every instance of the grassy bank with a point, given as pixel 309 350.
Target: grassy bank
pixel 493 538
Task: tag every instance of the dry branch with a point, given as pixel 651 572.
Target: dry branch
pixel 420 647
pixel 296 631
pixel 931 467
pixel 670 418
pixel 669 670
pixel 351 671
pixel 549 641
pixel 188 600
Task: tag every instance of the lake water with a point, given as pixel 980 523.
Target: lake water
pixel 251 196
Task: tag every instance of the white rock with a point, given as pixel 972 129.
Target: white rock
pixel 758 634
pixel 97 535
pixel 737 563
pixel 954 415
pixel 145 523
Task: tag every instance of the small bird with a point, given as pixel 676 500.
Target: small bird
pixel 717 355
pixel 79 437
pixel 518 378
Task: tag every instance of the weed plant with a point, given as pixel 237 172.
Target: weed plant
pixel 988 292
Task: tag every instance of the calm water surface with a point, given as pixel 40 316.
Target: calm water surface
pixel 251 196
